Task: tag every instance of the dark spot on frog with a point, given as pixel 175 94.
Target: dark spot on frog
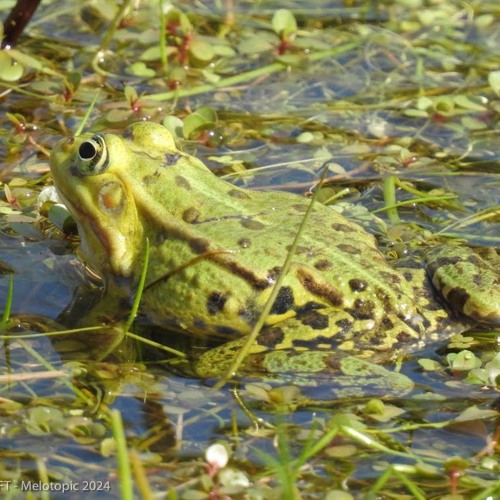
pixel 317 343
pixel 309 306
pixel 323 290
pixel 384 299
pixel 215 303
pixel 237 193
pixel 386 324
pixel 128 133
pixel 300 208
pixel 284 301
pixel 182 182
pixel 151 179
pixel 190 215
pixel 408 276
pixel 244 242
pixel 323 265
pixel 273 273
pixel 315 320
pixel 458 297
pixel 249 314
pixel 332 363
pixel 239 270
pixel 363 309
pixel 227 331
pixel 474 259
pixel 390 277
pixel 199 245
pixel 199 324
pixel 352 250
pixel 248 223
pixel 434 266
pixel 171 159
pixel 357 285
pixel 343 228
pixel 271 336
pixel 300 250
pixel 404 338
pixel 344 326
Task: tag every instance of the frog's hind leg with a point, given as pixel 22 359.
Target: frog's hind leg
pixel 312 342
pixel 469 283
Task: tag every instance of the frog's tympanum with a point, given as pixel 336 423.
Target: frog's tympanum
pixel 216 251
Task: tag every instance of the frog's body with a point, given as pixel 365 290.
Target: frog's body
pixel 216 251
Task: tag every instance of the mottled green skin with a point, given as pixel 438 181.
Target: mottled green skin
pixel 216 250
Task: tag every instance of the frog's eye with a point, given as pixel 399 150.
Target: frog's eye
pixel 92 156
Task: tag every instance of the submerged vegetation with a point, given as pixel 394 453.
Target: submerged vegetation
pixel 400 100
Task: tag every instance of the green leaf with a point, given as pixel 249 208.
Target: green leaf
pixel 471 123
pixel 494 81
pixel 151 54
pixel 208 113
pixel 429 365
pixel 118 115
pixel 174 124
pixel 284 23
pixel 202 51
pixel 470 102
pixel 493 370
pixel 61 218
pixel 191 123
pixel 202 118
pixel 10 71
pixel 130 94
pixel 475 413
pixel 463 361
pixel 25 59
pixel 140 69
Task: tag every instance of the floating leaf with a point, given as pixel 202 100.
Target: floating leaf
pixel 475 413
pixel 492 369
pixel 233 481
pixel 463 361
pixel 174 124
pixel 472 123
pixel 43 420
pixel 130 94
pixel 470 102
pixel 10 71
pixel 140 69
pixel 284 23
pixel 201 51
pixel 429 365
pixel 494 81
pixel 203 118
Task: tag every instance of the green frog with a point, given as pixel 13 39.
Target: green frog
pixel 216 250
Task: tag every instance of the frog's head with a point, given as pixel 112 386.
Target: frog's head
pixel 95 177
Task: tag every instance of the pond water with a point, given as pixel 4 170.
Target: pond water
pixel 406 89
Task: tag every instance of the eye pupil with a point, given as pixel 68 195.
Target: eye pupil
pixel 92 158
pixel 87 150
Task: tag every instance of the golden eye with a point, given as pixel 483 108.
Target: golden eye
pixel 92 156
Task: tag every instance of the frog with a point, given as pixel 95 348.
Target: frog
pixel 216 250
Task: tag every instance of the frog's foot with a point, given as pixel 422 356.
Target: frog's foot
pixel 468 283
